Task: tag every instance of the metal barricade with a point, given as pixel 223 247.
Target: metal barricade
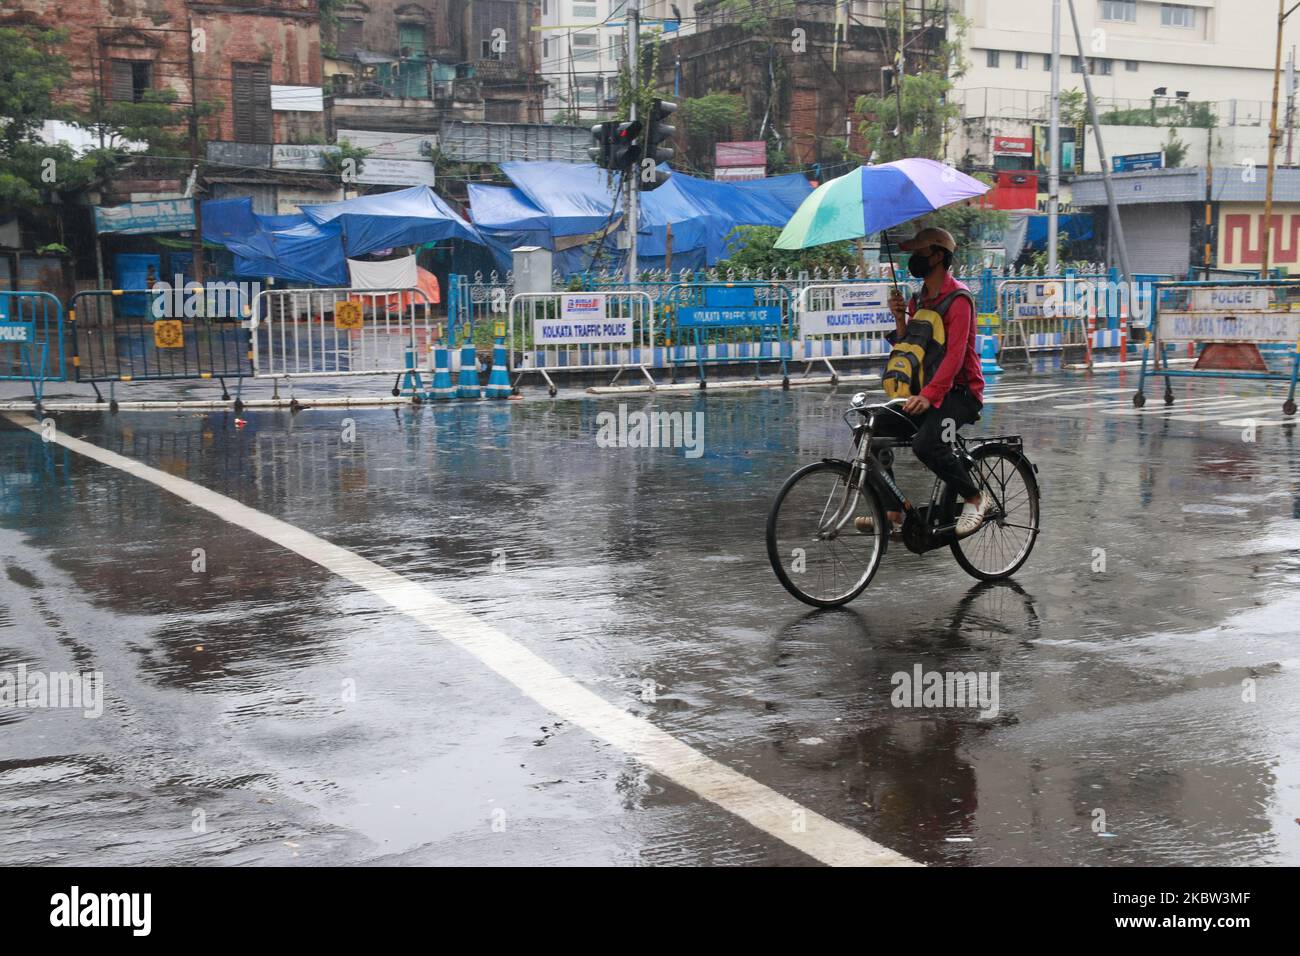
pixel 161 334
pixel 476 301
pixel 730 322
pixel 581 331
pixel 841 321
pixel 1235 323
pixel 31 340
pixel 1040 314
pixel 326 333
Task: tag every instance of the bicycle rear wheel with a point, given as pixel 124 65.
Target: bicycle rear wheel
pixel 813 542
pixel 999 548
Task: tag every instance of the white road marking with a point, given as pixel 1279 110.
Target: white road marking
pixel 760 806
pixel 1055 393
pixel 1187 404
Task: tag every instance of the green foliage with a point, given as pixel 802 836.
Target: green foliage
pixel 971 225
pixel 1199 115
pixel 32 171
pixel 30 72
pixel 752 16
pixel 752 247
pixel 708 120
pixel 1175 150
pixel 156 121
pixel 349 157
pixel 921 127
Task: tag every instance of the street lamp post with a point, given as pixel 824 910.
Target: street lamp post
pixel 1273 136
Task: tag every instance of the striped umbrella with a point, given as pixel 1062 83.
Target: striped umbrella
pixel 874 198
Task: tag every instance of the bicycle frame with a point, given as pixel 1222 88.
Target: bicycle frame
pixel 866 469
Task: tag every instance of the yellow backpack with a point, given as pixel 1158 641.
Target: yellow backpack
pixel 917 355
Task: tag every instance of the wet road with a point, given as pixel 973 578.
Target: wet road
pixel 264 710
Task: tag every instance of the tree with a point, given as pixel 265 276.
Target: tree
pixel 752 248
pixel 1175 150
pixel 708 120
pixel 919 129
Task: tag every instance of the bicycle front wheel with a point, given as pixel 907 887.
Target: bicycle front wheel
pixel 999 548
pixel 819 550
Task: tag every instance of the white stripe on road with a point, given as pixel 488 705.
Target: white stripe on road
pixel 1054 393
pixel 760 806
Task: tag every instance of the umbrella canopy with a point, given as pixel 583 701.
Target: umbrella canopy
pixel 874 198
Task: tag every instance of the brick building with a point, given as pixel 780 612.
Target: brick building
pixel 257 60
pixel 415 64
pixel 800 68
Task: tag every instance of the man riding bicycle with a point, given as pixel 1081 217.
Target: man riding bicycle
pixel 955 393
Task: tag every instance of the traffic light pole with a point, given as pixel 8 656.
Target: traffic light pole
pixel 633 192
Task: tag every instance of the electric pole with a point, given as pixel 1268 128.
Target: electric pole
pixel 1054 145
pixel 196 247
pixel 1117 227
pixel 633 49
pixel 1273 136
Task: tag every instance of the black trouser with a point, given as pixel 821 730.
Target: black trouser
pixel 962 408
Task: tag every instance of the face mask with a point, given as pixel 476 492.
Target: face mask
pixel 918 265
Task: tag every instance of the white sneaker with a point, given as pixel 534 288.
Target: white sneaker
pixel 865 524
pixel 972 516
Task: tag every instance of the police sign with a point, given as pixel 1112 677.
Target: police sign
pixel 17 333
pixel 856 307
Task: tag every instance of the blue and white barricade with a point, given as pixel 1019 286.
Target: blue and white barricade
pixel 729 323
pixel 843 321
pixel 1042 314
pixel 31 340
pixel 1244 330
pixel 551 332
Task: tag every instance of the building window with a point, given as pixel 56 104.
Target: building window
pixel 130 80
pixel 993 57
pixel 1022 61
pixel 1047 61
pixel 251 102
pixel 1076 65
pixel 546 48
pixel 1131 66
pixel 585 10
pixel 1125 10
pixel 411 39
pixel 1099 66
pixel 1177 15
pixel 349 36
pixel 585 46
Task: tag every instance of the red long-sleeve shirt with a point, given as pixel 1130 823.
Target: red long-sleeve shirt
pixel 961 363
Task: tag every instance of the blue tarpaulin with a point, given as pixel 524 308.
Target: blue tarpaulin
pixel 407 217
pixel 551 201
pixel 1076 226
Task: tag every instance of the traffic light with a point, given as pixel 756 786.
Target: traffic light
pixel 657 145
pixel 601 150
pixel 626 150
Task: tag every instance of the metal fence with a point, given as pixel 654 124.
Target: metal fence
pixel 31 340
pixel 711 323
pixel 580 331
pixel 1238 325
pixel 129 335
pixel 300 333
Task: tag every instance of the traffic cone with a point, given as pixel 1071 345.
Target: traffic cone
pixel 498 385
pixel 988 346
pixel 467 383
pixel 443 390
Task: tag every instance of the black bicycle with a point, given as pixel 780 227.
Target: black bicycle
pixel 825 555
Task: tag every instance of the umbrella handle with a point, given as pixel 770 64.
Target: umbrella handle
pixel 889 251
